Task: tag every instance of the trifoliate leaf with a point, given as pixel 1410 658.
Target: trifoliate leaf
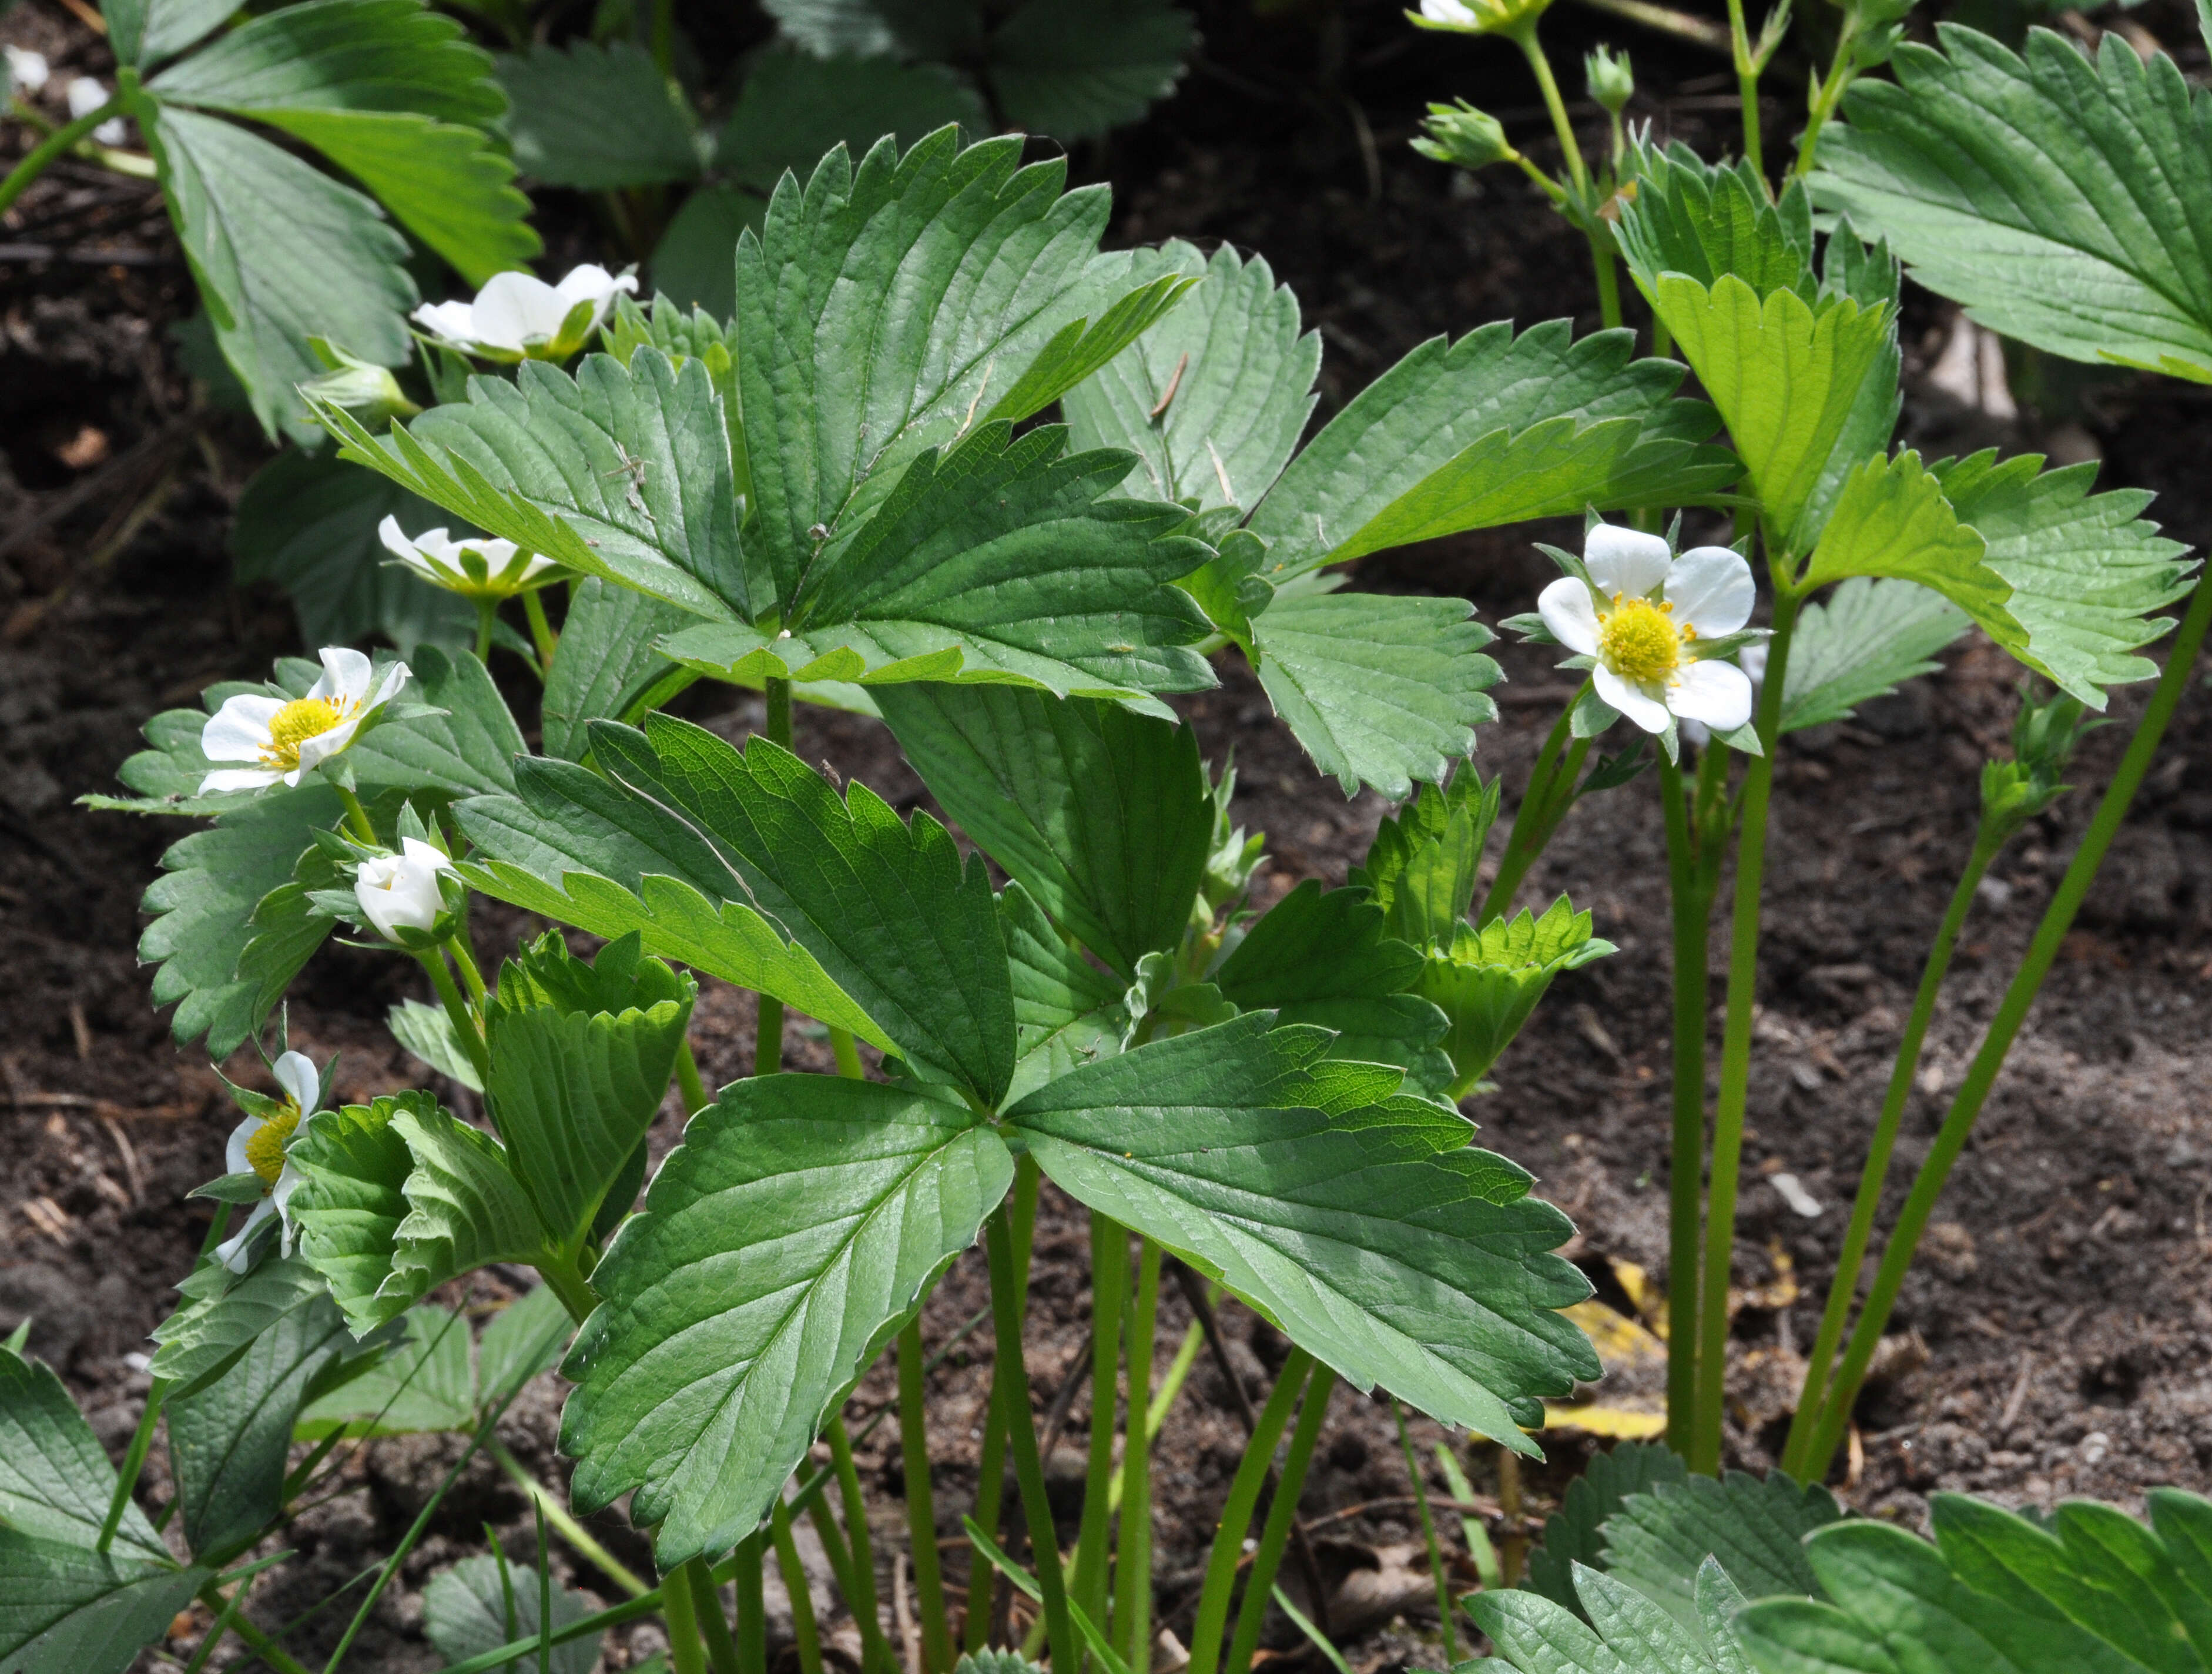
pixel 1075 68
pixel 1493 429
pixel 65 1606
pixel 281 252
pixel 1065 1011
pixel 1865 640
pixel 1328 958
pixel 1380 688
pixel 1421 866
pixel 794 106
pixel 578 849
pixel 1754 1526
pixel 997 561
pixel 169 26
pixel 465 1205
pixel 1488 981
pixel 562 98
pixel 1786 375
pixel 1575 1534
pixel 465 1614
pixel 2057 198
pixel 56 1480
pixel 2085 569
pixel 1702 220
pixel 1362 1224
pixel 780 1245
pixel 620 472
pixel 1229 375
pixel 1627 1633
pixel 604 660
pixel 308 521
pixel 422 1383
pixel 887 907
pixel 1103 816
pixel 581 1058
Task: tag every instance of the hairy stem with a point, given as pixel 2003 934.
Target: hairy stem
pixel 862 1597
pixel 1109 1284
pixel 1252 1472
pixel 1133 1578
pixel 1608 306
pixel 1282 1518
pixel 1429 1535
pixel 692 1089
pixel 1692 911
pixel 356 815
pixel 1736 1049
pixel 990 1485
pixel 847 1054
pixel 921 1506
pixel 706 1607
pixel 687 1652
pixel 1747 80
pixel 1006 1300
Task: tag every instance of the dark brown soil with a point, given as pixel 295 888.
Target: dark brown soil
pixel 2061 1302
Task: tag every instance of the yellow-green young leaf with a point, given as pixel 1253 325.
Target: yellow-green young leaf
pixel 1488 981
pixel 2060 199
pixel 1785 374
pixel 1421 867
pixel 780 1245
pixel 1702 220
pixel 1361 1223
pixel 1103 816
pixel 1864 640
pixel 1892 520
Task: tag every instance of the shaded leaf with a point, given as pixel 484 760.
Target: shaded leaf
pixel 66 1607
pixel 1066 1011
pixel 56 1481
pixel 1756 1527
pixel 1075 68
pixel 427 1031
pixel 1575 1534
pixel 223 1315
pixel 562 99
pixel 1868 638
pixel 423 1383
pixel 465 1615
pixel 794 106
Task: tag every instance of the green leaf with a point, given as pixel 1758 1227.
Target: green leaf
pixel 1493 429
pixel 894 917
pixel 578 849
pixel 427 1031
pixel 308 522
pixel 1421 867
pixel 562 99
pixel 1329 958
pixel 1786 375
pixel 581 1058
pixel 620 472
pixel 1380 688
pixel 525 1338
pixel 794 106
pixel 143 32
pixel 1627 1633
pixel 1363 1225
pixel 66 1607
pixel 281 253
pixel 56 1481
pixel 1243 387
pixel 1103 816
pixel 469 751
pixel 1892 520
pixel 465 1614
pixel 1072 68
pixel 1870 276
pixel 1488 981
pixel 1702 220
pixel 1065 1011
pixel 799 1223
pixel 229 1441
pixel 2060 200
pixel 605 659
pixel 1756 1527
pixel 423 1384
pixel 2086 570
pixel 203 1338
pixel 466 1208
pixel 1575 1534
pixel 1868 639
pixel 884 309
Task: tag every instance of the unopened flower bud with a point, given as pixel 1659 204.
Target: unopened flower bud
pixel 363 388
pixel 1612 84
pixel 1459 133
pixel 401 891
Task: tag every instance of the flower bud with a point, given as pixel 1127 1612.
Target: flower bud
pixel 363 388
pixel 1459 133
pixel 401 892
pixel 1482 17
pixel 1611 82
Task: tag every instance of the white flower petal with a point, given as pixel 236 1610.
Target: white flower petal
pixel 315 751
pixel 395 676
pixel 297 1075
pixel 26 69
pixel 589 284
pixel 1711 591
pixel 456 322
pixel 231 1252
pixel 1645 711
pixel 234 1160
pixel 1447 11
pixel 1752 660
pixel 514 309
pixel 396 540
pixel 239 778
pixel 238 731
pixel 1716 693
pixel 1624 561
pixel 1567 612
pixel 400 891
pixel 85 96
pixel 345 674
pixel 280 1199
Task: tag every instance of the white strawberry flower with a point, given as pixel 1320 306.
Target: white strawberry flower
pixel 26 70
pixel 517 316
pixel 400 891
pixel 286 739
pixel 258 1144
pixel 87 95
pixel 1643 616
pixel 476 566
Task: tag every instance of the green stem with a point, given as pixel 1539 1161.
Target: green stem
pixel 566 1276
pixel 1736 1050
pixel 1275 1534
pixel 1109 1284
pixel 687 1652
pixel 1845 1285
pixel 1170 1384
pixel 457 1012
pixel 578 1537
pixel 1524 37
pixel 51 149
pixel 1132 1593
pixel 1608 300
pixel 356 816
pixel 805 1632
pixel 1428 1534
pixel 487 614
pixel 1747 81
pixel 1006 1300
pixel 692 1090
pixel 1527 842
pixel 1693 914
pixel 990 1485
pixel 133 1461
pixel 862 1596
pixel 466 962
pixel 1825 97
pixel 768 1049
pixel 541 630
pixel 847 1054
pixel 1220 1584
pixel 706 1607
pixel 255 1640
pixel 2005 1026
pixel 920 1505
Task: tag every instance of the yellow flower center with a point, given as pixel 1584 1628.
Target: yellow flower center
pixel 264 1146
pixel 301 719
pixel 1637 640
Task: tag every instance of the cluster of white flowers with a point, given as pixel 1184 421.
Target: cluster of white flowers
pixel 260 1144
pixel 285 739
pixel 517 316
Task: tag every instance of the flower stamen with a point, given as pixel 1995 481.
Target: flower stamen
pixel 301 719
pixel 1637 640
pixel 265 1149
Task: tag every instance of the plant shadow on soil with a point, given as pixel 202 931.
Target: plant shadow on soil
pixel 2060 1302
